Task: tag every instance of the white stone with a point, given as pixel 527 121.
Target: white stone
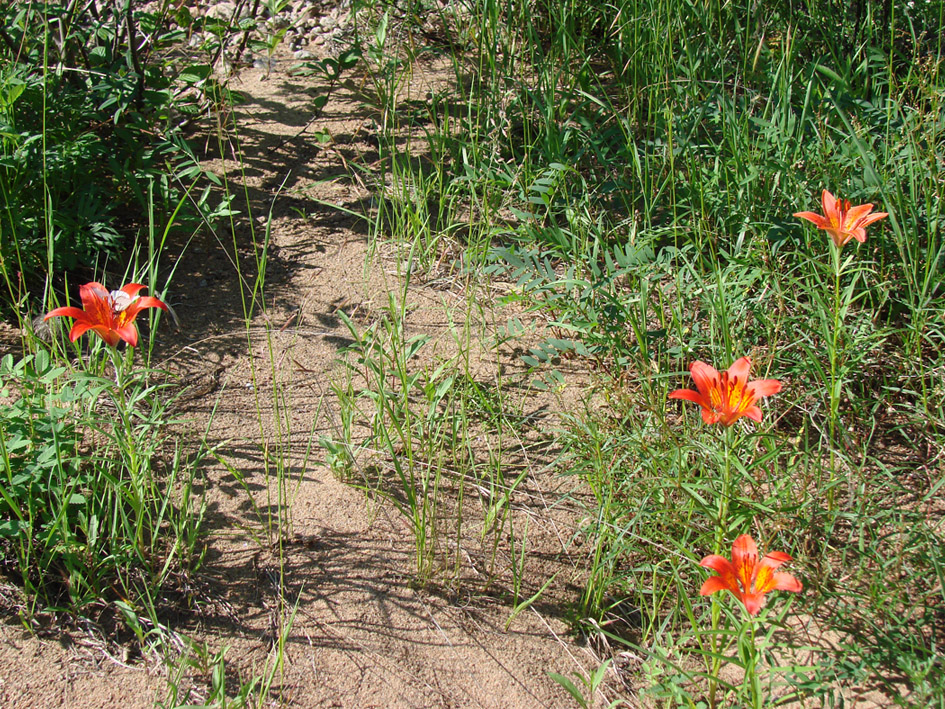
pixel 221 11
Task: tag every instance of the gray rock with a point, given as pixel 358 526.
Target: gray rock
pixel 221 11
pixel 265 63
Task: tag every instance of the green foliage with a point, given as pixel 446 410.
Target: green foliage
pixel 84 494
pixel 90 138
pixel 403 409
pixel 591 684
pixel 628 172
pixel 599 305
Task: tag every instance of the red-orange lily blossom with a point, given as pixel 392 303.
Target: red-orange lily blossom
pixel 728 396
pixel 746 577
pixel 842 221
pixel 110 315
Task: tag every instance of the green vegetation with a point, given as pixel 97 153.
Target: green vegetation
pixel 632 169
pixel 85 496
pixel 628 173
pixel 93 107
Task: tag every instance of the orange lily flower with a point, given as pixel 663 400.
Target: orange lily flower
pixel 728 396
pixel 746 577
pixel 109 315
pixel 842 221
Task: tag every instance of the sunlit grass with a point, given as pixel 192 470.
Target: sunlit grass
pixel 637 169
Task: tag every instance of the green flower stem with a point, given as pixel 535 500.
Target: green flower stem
pixel 715 645
pixel 125 438
pixel 751 667
pixel 835 376
pixel 730 442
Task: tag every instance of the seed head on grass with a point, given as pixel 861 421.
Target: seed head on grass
pixel 726 397
pixel 842 221
pixel 111 315
pixel 746 577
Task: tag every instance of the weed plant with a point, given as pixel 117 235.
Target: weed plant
pixel 87 511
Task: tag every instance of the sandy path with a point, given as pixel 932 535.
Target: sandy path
pixel 362 635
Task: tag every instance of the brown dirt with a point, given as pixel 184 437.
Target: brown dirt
pixel 364 634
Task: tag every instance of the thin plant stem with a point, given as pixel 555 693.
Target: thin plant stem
pixel 835 383
pixel 729 443
pixel 126 440
pixel 716 664
pixel 751 668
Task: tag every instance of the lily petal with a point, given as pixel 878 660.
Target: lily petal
pixel 689 395
pixel 710 417
pixel 783 581
pixel 726 574
pixel 754 413
pixel 866 221
pixel 753 602
pixel 817 219
pixel 128 333
pixel 761 388
pixel 831 213
pixel 774 559
pixel 79 328
pixel 132 289
pixel 705 376
pixel 740 369
pixel 856 213
pixel 66 311
pixel 139 304
pixel 744 559
pixel 714 584
pixel 718 563
pixel 148 301
pixel 106 333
